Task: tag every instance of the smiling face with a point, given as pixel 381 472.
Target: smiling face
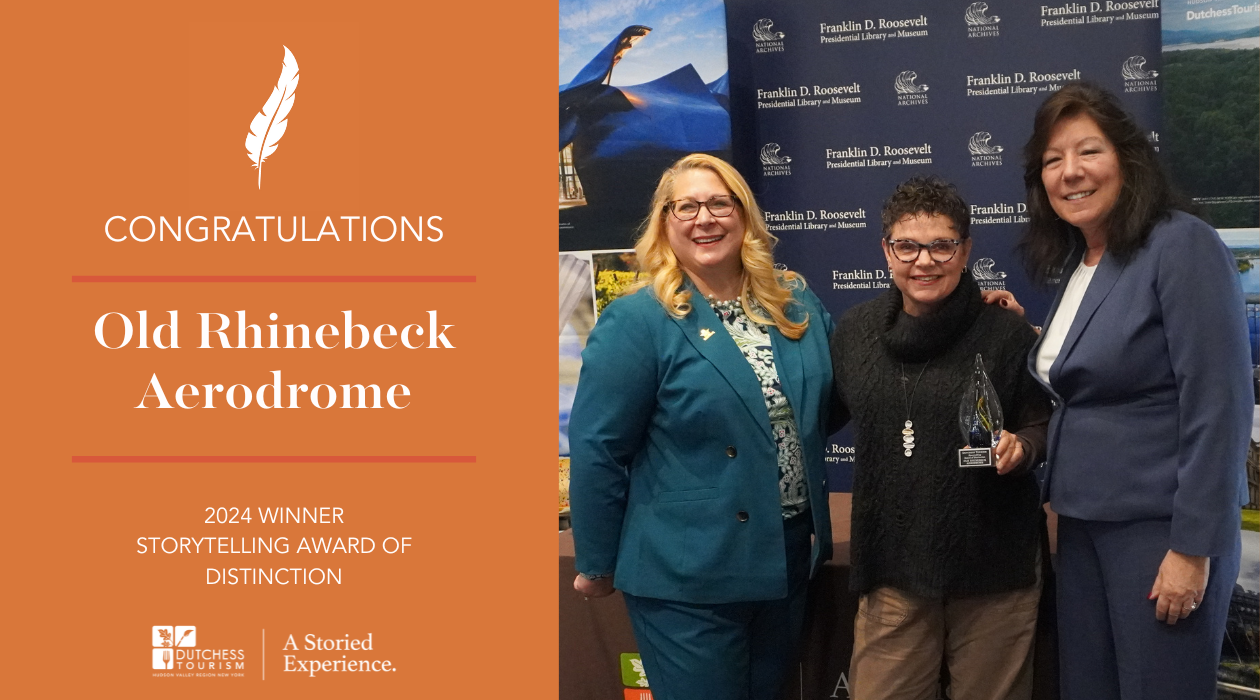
pixel 925 283
pixel 1080 170
pixel 707 247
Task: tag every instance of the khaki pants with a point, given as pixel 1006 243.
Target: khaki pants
pixel 900 639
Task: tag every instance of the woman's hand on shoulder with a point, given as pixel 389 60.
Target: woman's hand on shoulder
pixel 593 588
pixel 1002 298
pixel 1179 586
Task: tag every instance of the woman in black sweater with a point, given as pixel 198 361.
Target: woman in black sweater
pixel 946 558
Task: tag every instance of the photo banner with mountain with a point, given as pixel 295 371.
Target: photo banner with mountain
pixel 251 345
pixel 1211 57
pixel 640 87
pixel 1211 61
pixel 833 105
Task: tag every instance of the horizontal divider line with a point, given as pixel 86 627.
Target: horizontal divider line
pixel 287 459
pixel 274 278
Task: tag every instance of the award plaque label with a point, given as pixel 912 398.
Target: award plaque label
pixel 975 457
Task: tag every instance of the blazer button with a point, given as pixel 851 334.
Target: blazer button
pixel 731 451
pixel 742 516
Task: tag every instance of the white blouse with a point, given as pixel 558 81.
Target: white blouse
pixel 1059 326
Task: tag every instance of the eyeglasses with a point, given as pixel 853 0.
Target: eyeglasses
pixel 941 250
pixel 688 209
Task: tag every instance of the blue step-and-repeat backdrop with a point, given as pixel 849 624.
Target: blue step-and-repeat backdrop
pixel 833 104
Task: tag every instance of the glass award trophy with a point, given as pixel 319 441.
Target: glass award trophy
pixel 980 419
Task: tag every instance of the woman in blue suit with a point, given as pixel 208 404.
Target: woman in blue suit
pixel 697 445
pixel 1145 353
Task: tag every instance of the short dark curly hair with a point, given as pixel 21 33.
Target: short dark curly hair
pixel 927 194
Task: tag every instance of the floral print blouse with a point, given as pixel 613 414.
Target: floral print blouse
pixel 753 339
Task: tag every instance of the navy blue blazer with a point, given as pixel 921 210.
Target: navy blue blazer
pixel 1152 391
pixel 674 472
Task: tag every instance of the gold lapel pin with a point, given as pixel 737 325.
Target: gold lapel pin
pixel 705 334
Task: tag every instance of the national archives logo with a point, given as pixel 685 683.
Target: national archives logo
pixel 983 153
pixel 1136 77
pixel 166 639
pixel 907 92
pixel 270 123
pixel 978 23
pixel 985 276
pixel 766 39
pixel 773 163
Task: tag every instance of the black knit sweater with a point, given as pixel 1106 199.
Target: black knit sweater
pixel 920 523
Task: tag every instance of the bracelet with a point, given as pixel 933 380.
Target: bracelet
pixel 593 577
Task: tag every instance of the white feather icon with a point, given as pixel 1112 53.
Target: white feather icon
pixel 269 124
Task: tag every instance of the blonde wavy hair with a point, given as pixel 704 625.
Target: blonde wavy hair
pixel 771 288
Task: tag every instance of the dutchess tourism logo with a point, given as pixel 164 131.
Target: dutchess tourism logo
pixel 773 163
pixel 175 654
pixel 907 92
pixel 978 23
pixel 766 39
pixel 983 153
pixel 270 123
pixel 166 639
pixel 1136 77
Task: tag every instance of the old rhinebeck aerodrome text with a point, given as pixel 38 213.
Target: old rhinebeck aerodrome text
pixel 115 331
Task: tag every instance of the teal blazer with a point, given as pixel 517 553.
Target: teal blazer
pixel 674 472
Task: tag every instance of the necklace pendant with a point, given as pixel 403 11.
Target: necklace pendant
pixel 907 435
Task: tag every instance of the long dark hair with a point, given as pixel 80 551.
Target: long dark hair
pixel 1145 197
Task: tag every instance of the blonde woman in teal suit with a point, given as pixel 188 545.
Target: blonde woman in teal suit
pixel 697 441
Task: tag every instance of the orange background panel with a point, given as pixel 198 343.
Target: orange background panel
pixel 407 109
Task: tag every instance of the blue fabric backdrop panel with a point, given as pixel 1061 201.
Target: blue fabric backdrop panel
pixel 834 104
